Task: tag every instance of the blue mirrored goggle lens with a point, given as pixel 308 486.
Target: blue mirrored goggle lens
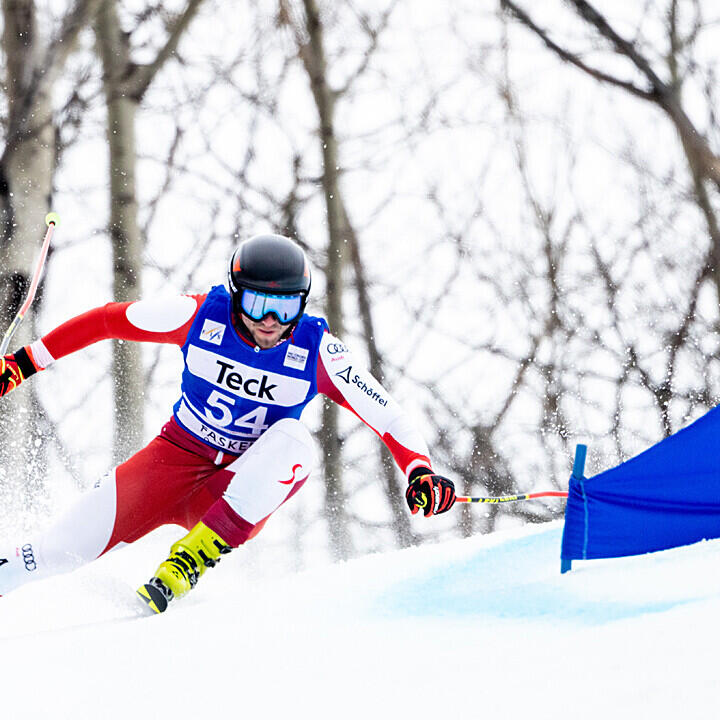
pixel 257 305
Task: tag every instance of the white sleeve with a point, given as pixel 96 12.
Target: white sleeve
pixel 161 314
pixel 343 379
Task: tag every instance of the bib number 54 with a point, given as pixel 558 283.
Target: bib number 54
pixel 252 422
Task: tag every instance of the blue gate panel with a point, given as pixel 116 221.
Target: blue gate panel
pixel 667 496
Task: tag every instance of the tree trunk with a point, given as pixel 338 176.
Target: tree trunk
pixel 26 170
pixel 313 55
pixel 127 244
pixel 125 84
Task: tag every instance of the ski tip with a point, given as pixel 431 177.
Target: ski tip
pixel 153 597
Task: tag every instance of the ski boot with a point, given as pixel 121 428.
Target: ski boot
pixel 201 548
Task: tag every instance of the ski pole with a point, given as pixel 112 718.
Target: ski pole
pixel 52 220
pixel 511 498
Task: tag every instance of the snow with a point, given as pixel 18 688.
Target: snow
pixel 484 627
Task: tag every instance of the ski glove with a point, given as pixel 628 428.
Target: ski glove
pixel 433 494
pixel 14 369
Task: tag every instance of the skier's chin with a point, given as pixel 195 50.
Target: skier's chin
pixel 265 336
pixel 265 342
pixel 266 339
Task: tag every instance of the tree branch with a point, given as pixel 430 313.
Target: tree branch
pixel 702 160
pixel 143 75
pixel 623 47
pixel 73 23
pixel 572 58
pixel 374 34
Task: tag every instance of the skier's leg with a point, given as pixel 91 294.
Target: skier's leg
pixel 136 497
pixel 77 537
pixel 260 480
pixel 267 475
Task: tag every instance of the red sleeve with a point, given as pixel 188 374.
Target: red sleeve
pixel 111 321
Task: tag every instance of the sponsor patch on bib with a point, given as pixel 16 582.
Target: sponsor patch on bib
pixel 212 332
pixel 296 357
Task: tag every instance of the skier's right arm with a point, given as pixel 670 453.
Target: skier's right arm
pixel 162 321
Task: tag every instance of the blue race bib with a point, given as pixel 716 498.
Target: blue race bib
pixel 232 392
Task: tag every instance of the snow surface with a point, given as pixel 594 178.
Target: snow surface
pixel 478 628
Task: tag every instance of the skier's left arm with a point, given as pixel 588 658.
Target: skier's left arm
pixel 343 379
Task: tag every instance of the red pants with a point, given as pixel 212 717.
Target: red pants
pixel 167 482
pixel 175 479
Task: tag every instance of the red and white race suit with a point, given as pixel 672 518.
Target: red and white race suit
pixel 182 479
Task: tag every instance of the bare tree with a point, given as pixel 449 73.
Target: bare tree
pixel 27 166
pixel 523 320
pixel 344 254
pixel 663 366
pixel 126 84
pixel 703 161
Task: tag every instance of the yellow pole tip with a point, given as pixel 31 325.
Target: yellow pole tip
pixel 52 218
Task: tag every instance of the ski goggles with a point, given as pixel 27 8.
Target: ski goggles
pixel 286 308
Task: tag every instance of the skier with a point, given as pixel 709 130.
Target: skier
pixel 234 449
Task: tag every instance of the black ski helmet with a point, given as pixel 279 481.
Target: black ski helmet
pixel 272 264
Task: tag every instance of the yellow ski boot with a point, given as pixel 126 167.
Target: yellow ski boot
pixel 201 548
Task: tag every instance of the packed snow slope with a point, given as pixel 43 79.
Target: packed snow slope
pixel 479 628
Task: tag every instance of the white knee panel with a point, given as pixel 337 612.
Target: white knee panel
pixel 268 471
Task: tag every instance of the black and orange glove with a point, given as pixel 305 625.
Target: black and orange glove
pixel 14 369
pixel 433 494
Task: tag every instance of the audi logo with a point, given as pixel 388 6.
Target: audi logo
pixel 337 348
pixel 29 557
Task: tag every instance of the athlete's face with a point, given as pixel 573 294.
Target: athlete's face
pixel 266 332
